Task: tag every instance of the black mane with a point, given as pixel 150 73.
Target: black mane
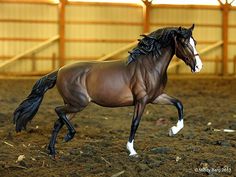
pixel 155 41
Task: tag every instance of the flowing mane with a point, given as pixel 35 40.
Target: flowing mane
pixel 155 41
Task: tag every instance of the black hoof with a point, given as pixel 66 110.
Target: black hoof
pixel 52 152
pixel 69 137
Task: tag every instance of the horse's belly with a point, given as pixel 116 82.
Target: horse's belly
pixel 112 97
pixel 120 102
pixel 110 93
pixel 108 85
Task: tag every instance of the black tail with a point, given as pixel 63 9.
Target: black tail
pixel 29 107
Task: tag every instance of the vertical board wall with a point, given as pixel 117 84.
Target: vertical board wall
pixel 207 30
pixel 23 26
pixel 94 30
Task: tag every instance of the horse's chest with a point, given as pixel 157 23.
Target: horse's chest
pixel 155 87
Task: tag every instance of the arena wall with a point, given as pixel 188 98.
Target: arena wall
pixel 93 30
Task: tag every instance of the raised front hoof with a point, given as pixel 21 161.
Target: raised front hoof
pixel 69 137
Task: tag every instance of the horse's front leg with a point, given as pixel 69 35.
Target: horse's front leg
pixel 138 111
pixel 168 100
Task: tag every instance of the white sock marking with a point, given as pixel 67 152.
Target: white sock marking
pixel 178 127
pixel 198 66
pixel 130 147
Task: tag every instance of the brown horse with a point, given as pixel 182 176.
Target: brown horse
pixel 136 82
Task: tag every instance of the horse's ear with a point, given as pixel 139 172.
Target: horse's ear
pixel 192 27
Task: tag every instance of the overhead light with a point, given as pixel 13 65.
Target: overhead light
pixel 55 1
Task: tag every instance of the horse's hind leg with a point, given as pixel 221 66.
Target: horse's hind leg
pixel 57 127
pixel 63 112
pixel 168 100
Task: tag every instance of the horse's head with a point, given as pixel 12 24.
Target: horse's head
pixel 185 48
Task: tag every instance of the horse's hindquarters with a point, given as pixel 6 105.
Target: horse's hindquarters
pixel 71 84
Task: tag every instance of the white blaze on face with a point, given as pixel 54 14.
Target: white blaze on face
pixel 198 66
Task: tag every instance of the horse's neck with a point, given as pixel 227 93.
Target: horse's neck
pixel 149 72
pixel 151 65
pixel 160 64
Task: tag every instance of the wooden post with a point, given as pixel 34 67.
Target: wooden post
pixel 53 61
pixel 235 65
pixel 225 25
pixel 33 60
pixel 217 60
pixel 146 15
pixel 61 27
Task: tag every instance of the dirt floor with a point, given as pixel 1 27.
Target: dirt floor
pixel 98 148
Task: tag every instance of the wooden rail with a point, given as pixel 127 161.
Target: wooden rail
pixel 33 49
pixel 126 47
pixel 122 49
pixel 205 50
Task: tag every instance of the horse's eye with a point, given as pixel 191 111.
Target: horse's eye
pixel 185 43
